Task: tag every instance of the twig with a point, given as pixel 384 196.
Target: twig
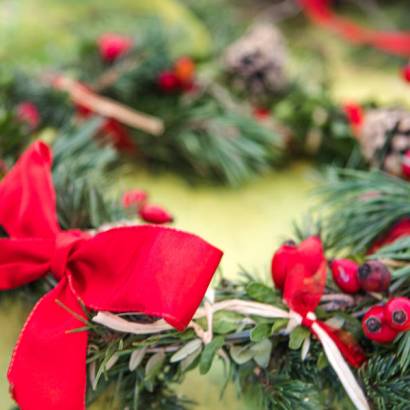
pixel 108 107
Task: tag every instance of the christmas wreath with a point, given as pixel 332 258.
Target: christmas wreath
pixel 118 303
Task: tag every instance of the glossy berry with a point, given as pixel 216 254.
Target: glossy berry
pixel 345 275
pixel 405 73
pixel 155 214
pixel 397 312
pixel 168 81
pixel 28 113
pixel 281 262
pixel 135 197
pixel 112 46
pixel 405 165
pixel 374 276
pixel 375 326
pixel 311 252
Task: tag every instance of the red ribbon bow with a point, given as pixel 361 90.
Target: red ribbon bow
pixel 392 42
pixel 304 286
pixel 155 270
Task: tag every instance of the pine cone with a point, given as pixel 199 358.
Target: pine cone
pixel 257 61
pixel 385 138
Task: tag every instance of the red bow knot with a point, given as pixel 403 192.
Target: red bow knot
pixel 309 319
pixel 158 271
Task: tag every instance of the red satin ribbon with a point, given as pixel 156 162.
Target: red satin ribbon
pixel 155 270
pixel 304 286
pixel 391 42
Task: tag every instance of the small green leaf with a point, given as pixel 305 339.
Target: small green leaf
pixel 136 358
pixel 297 336
pixel 262 352
pixel 190 359
pixel 241 354
pixel 278 325
pixel 186 350
pixel 260 292
pixel 226 322
pixel 208 354
pixel 322 361
pixel 154 365
pixel 260 332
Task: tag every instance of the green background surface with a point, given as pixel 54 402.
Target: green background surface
pixel 247 223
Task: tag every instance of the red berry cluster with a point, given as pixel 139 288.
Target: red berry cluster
pixel 149 213
pixel 383 323
pixel 372 276
pixel 180 78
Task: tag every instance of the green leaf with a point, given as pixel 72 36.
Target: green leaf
pixel 262 352
pixel 278 325
pixel 186 350
pixel 241 354
pixel 190 359
pixel 260 292
pixel 136 358
pixel 260 332
pixel 154 365
pixel 322 361
pixel 226 322
pixel 296 338
pixel 208 354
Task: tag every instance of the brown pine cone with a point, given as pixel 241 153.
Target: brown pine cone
pixel 385 138
pixel 257 61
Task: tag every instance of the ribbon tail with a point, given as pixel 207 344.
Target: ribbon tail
pixel 341 368
pixel 48 366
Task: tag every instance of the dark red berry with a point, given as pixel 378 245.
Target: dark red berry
pixel 168 81
pixel 397 311
pixel 375 326
pixel 345 275
pixel 374 276
pixel 281 262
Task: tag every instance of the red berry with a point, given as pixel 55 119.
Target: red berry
pixel 397 312
pixel 135 197
pixel 155 214
pixel 184 69
pixel 28 113
pixel 311 252
pixel 374 276
pixel 405 165
pixel 168 81
pixel 345 275
pixel 261 113
pixel 354 114
pixel 375 327
pixel 113 46
pixel 405 73
pixel 282 261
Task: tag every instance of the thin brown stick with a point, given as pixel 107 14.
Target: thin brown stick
pixel 110 108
